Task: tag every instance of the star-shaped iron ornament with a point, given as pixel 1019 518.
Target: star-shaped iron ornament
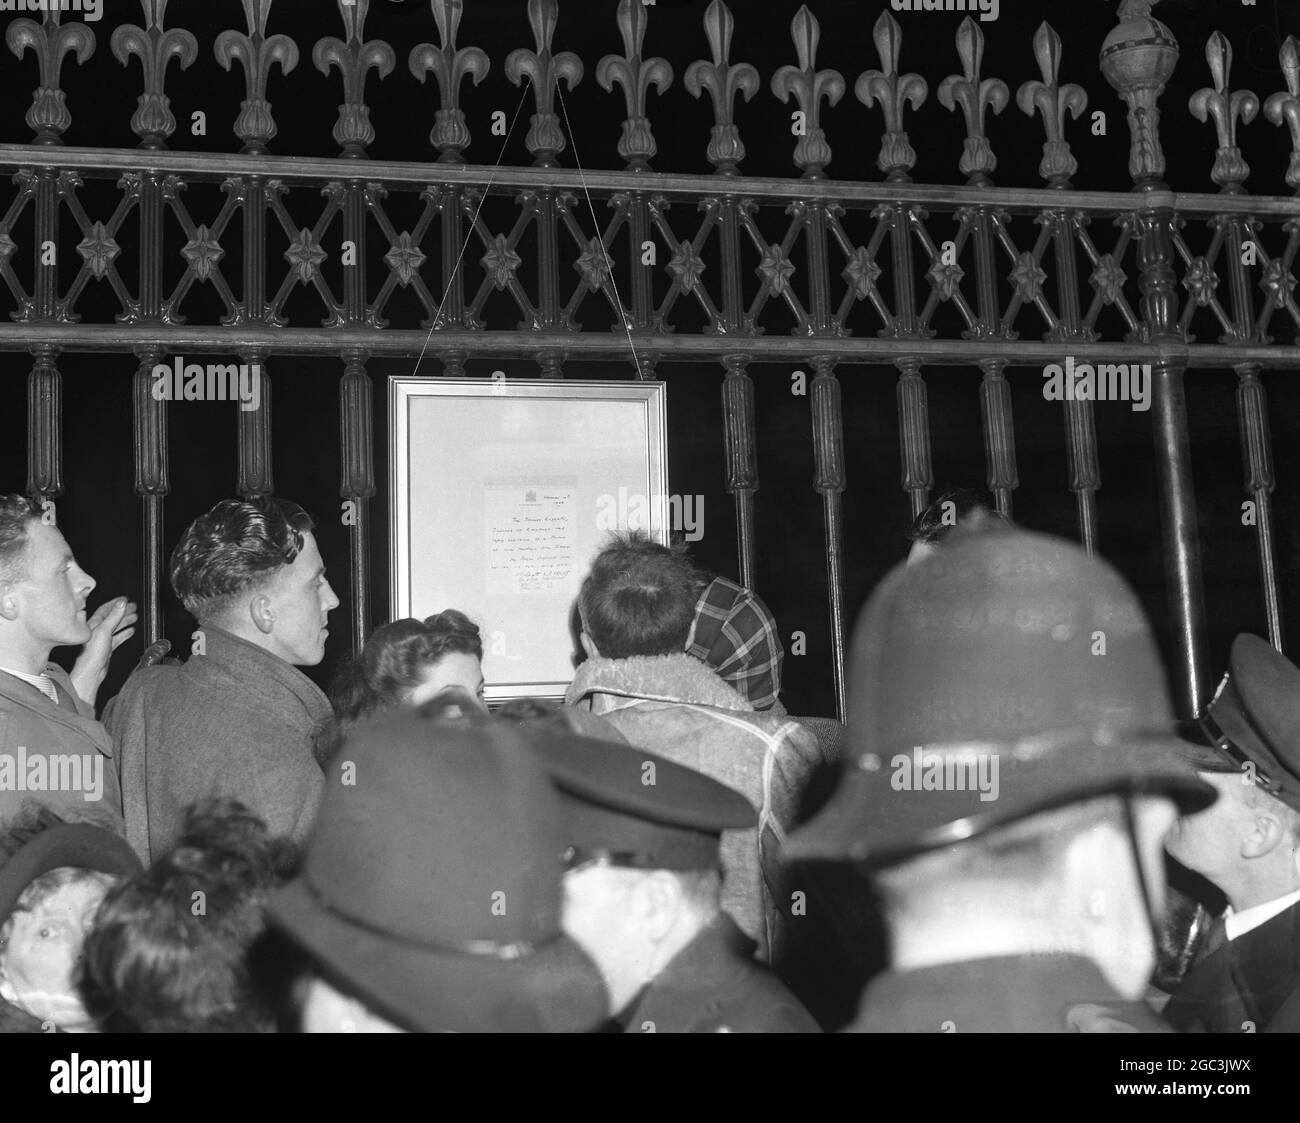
pixel 1201 281
pixel 98 249
pixel 1108 279
pixel 305 255
pixel 501 261
pixel 202 252
pixel 1028 277
pixel 861 272
pixel 776 269
pixel 405 258
pixel 686 266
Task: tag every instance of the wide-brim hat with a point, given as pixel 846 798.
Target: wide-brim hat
pixel 549 988
pixel 1007 674
pixel 80 845
pixel 431 885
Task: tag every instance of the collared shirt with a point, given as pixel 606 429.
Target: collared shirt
pixel 735 634
pixel 1239 923
pixel 42 682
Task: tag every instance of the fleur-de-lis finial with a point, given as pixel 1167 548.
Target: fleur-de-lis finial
pixel 450 65
pixel 636 75
pixel 1052 101
pixel 808 86
pixel 153 121
pixel 893 91
pixel 1284 107
pixel 354 57
pixel 48 115
pixel 545 136
pixel 723 82
pixel 974 96
pixel 1226 107
pixel 257 53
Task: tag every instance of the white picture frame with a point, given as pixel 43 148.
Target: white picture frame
pixel 501 494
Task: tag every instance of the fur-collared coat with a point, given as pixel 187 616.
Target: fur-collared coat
pixel 676 706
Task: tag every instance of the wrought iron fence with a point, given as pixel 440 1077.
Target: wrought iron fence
pixel 724 267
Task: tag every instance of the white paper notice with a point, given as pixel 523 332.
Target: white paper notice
pixel 531 538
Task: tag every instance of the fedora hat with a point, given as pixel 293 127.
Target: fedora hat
pixel 431 883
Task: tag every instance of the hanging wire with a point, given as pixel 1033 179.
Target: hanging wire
pixel 609 268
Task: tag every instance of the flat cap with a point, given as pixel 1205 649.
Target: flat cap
pixel 1254 720
pixel 628 807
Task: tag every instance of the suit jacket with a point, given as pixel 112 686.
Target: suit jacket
pixel 73 747
pixel 1004 994
pixel 1248 984
pixel 713 985
pixel 235 721
pixel 678 707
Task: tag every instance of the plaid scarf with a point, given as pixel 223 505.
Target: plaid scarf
pixel 735 634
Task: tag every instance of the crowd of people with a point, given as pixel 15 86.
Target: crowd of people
pixel 223 846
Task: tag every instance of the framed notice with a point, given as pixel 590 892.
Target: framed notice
pixel 503 492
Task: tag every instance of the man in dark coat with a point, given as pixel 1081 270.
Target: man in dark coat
pixel 237 719
pixel 1248 844
pixel 643 891
pixel 1010 779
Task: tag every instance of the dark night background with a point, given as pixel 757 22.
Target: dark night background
pixel 101 515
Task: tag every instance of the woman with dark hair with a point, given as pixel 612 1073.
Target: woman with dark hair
pixel 407 663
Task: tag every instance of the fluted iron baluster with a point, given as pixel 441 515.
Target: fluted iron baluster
pixel 894 92
pixel 741 449
pixel 354 57
pixel 723 80
pixel 830 481
pixel 809 86
pixel 1053 101
pixel 1283 108
pixel 45 424
pixel 48 117
pixel 256 476
pixel 152 483
pixel 545 70
pixel 999 435
pixel 258 53
pixel 636 75
pixel 914 433
pixel 450 66
pixel 153 121
pixel 356 429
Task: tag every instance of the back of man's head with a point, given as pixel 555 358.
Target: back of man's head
pixel 237 546
pixel 17 513
pixel 639 598
pixel 1061 882
pixel 170 949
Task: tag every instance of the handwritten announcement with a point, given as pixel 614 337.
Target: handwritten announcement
pixel 531 537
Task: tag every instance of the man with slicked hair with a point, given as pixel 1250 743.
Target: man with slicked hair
pixel 238 718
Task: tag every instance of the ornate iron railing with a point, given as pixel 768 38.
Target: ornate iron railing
pixel 724 267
